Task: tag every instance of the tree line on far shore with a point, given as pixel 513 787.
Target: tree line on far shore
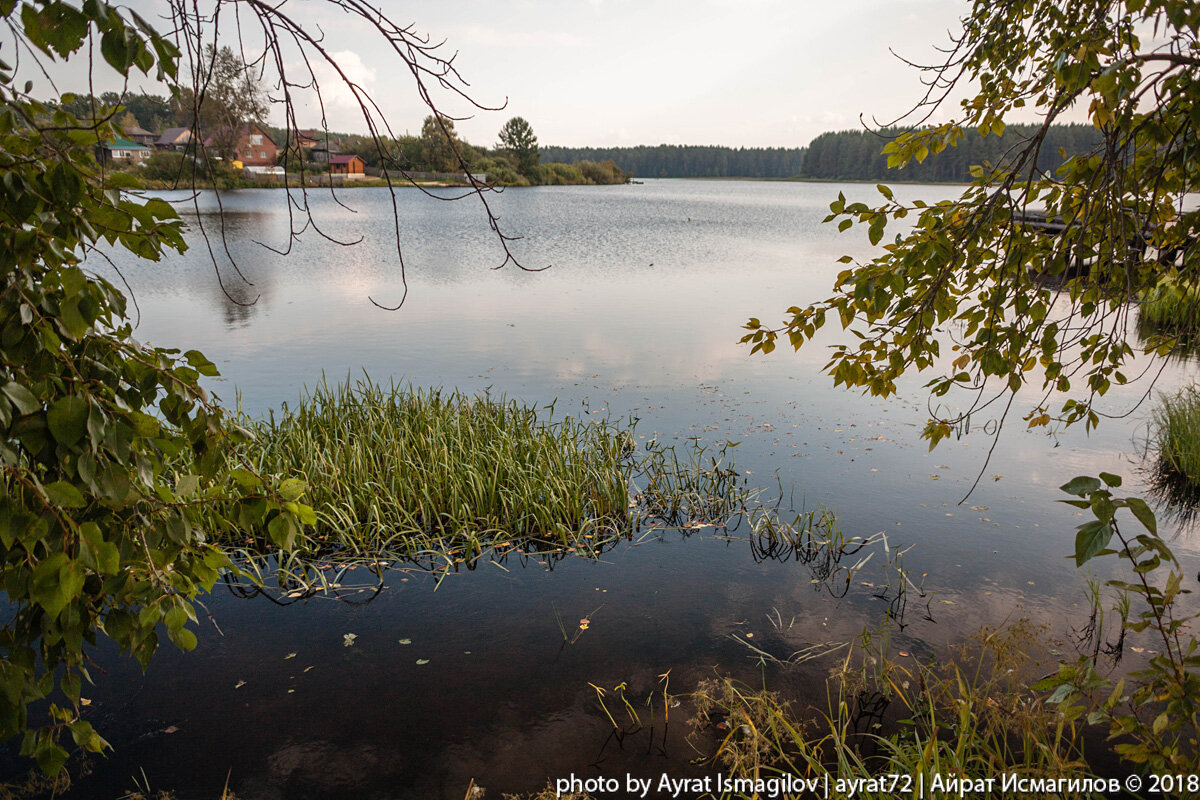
pixel 838 155
pixel 690 161
pixel 857 155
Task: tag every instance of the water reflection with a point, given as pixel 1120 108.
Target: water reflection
pixel 641 316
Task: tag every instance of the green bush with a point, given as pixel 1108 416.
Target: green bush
pixel 605 172
pixel 559 175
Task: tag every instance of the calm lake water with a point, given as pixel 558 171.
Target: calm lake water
pixel 639 315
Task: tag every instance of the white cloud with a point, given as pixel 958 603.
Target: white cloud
pixel 341 108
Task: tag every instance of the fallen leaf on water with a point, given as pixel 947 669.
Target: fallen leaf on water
pixel 239 684
pixel 291 691
pixel 289 655
pixel 422 660
pixel 348 639
pixel 749 635
pixel 406 641
pixel 306 669
pixel 83 701
pixel 903 653
pixel 171 729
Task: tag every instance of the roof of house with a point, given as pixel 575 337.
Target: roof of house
pixel 344 159
pixel 134 130
pixel 123 144
pixel 246 129
pixel 173 135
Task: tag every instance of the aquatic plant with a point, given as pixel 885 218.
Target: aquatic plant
pixel 973 715
pixel 1172 306
pixel 410 470
pixel 438 479
pixel 1175 446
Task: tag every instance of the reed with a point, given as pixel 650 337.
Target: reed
pixel 975 715
pixel 397 470
pixel 1170 313
pixel 1175 438
pixel 1173 305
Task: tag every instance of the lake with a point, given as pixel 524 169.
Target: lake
pixel 639 315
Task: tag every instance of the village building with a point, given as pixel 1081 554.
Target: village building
pixel 307 139
pixel 140 136
pixel 325 149
pixel 254 147
pixel 350 166
pixel 122 150
pixel 176 139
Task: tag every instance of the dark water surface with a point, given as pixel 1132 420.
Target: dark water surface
pixel 640 316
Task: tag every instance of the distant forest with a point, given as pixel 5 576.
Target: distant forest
pixel 689 161
pixel 855 155
pixel 841 155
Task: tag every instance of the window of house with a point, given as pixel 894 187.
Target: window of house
pixel 256 139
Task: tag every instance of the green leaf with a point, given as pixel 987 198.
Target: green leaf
pixel 50 757
pixel 21 397
pixel 200 363
pixel 1091 538
pixel 1112 480
pixel 1143 513
pixel 282 531
pixel 183 638
pixel 65 495
pixel 71 319
pixel 1081 486
pixel 49 589
pixel 175 618
pixel 292 489
pixel 67 419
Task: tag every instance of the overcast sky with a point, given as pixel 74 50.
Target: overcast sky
pixel 627 72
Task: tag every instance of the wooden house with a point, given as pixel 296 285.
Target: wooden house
pixel 347 165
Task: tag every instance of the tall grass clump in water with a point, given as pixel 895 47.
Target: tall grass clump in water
pixel 401 471
pixel 1172 311
pixel 1175 435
